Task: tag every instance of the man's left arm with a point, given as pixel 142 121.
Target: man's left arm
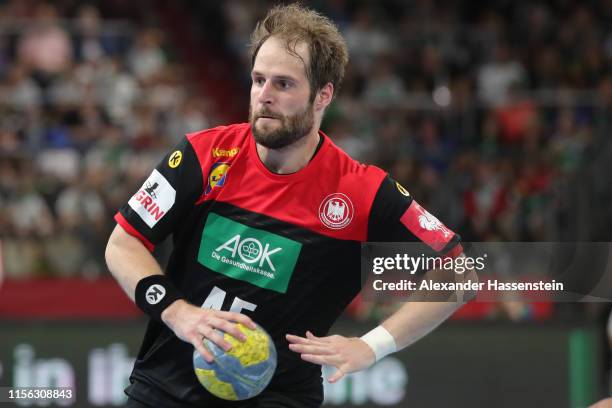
pixel 394 217
pixel 411 322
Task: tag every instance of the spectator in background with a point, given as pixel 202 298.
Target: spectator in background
pixel 432 147
pixel 90 44
pixel 30 221
pixel 516 116
pixel 352 144
pixel 119 91
pixel 147 58
pixel 187 117
pixel 23 92
pixel 81 227
pixel 23 258
pixel 9 143
pixel 569 142
pixel 240 17
pixel 496 77
pixel 485 202
pixel 28 211
pixel 365 39
pixel 384 87
pixel 45 48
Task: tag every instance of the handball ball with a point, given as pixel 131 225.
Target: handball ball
pixel 243 371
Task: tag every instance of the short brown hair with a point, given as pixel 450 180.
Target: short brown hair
pixel 296 24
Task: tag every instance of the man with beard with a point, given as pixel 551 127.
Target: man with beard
pixel 267 220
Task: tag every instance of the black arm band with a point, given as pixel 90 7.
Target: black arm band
pixel 155 293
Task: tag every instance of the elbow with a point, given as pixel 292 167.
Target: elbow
pixel 118 242
pixel 111 250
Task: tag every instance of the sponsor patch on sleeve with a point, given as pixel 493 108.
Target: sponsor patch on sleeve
pixel 175 159
pixel 401 189
pixel 154 199
pixel 426 227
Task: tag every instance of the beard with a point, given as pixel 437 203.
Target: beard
pixel 292 128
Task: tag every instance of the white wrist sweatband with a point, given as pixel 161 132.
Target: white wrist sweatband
pixel 380 341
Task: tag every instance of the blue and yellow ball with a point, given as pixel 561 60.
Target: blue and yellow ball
pixel 242 372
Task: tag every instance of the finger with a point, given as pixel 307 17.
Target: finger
pixel 296 339
pixel 215 337
pixel 238 318
pixel 312 337
pixel 300 340
pixel 198 343
pixel 333 360
pixel 311 349
pixel 336 376
pixel 227 327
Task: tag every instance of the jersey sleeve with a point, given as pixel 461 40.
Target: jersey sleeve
pixel 396 217
pixel 170 191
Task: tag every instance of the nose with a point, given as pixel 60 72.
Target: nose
pixel 265 93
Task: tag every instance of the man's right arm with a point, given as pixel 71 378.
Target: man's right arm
pixel 130 261
pixel 171 190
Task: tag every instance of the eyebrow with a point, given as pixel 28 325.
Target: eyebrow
pixel 281 77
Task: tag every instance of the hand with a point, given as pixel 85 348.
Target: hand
pixel 193 324
pixel 346 354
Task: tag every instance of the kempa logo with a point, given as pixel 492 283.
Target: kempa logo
pixel 401 189
pixel 250 250
pixel 250 254
pixel 155 294
pixel 175 159
pixel 219 152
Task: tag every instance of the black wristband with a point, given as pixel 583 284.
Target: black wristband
pixel 155 293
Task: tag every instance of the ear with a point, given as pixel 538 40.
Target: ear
pixel 324 97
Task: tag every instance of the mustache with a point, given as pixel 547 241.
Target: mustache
pixel 267 113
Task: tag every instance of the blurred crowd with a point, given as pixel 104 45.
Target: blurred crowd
pixel 87 108
pixel 494 107
pixel 492 114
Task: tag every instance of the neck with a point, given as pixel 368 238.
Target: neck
pixel 292 158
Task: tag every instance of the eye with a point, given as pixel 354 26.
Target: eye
pixel 258 81
pixel 284 84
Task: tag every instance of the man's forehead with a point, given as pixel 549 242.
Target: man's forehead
pixel 273 58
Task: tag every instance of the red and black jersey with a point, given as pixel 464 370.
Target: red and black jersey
pixel 283 249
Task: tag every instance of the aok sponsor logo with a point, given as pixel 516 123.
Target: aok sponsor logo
pixel 153 199
pixel 218 152
pixel 257 256
pixel 250 250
